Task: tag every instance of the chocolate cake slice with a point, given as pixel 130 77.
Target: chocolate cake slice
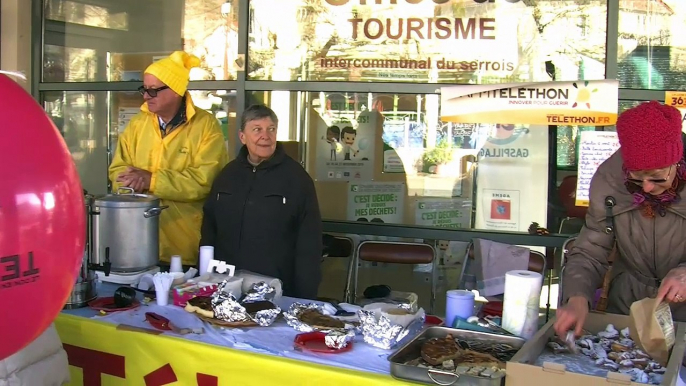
pixel 255 307
pixel 435 351
pixel 320 321
pixel 201 305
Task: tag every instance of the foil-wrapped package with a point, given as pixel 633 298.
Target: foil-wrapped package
pixel 227 308
pixel 258 292
pixel 336 337
pixel 266 317
pixel 379 331
pixel 294 311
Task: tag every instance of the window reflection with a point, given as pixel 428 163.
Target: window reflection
pixel 90 123
pixel 116 41
pixel 78 12
pixel 651 48
pixel 388 158
pixel 452 42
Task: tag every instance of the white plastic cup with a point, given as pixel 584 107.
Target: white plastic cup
pixel 206 255
pixel 175 265
pixel 162 297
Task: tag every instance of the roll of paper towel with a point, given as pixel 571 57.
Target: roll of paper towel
pixel 521 303
pixel 250 278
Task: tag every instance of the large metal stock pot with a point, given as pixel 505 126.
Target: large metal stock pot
pixel 126 230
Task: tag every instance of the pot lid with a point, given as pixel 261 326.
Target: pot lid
pixel 126 198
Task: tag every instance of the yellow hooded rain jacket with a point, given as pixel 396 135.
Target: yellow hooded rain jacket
pixel 183 165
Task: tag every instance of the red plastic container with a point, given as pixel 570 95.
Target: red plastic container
pixel 314 341
pixel 492 309
pixel 432 320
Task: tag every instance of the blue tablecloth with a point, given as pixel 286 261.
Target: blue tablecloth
pixel 274 340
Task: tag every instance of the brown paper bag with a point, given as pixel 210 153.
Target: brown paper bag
pixel 652 328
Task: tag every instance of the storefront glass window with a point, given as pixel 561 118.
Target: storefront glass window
pixel 92 121
pixel 117 40
pixel 568 145
pixel 651 51
pixel 434 41
pixel 387 158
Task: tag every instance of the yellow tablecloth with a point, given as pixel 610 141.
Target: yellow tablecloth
pixel 101 354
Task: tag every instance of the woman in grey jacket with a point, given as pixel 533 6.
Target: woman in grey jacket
pixel 636 205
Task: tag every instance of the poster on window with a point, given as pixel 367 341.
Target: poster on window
pixel 345 147
pixel 512 177
pixel 594 148
pixel 501 210
pixel 378 202
pixel 125 115
pixel 454 213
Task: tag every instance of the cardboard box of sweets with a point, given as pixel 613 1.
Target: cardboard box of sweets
pixel 523 371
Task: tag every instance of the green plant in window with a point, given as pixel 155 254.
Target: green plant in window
pixel 439 155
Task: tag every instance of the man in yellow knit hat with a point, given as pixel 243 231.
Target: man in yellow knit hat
pixel 173 150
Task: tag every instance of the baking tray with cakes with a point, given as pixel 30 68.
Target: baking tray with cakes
pixel 222 309
pixel 448 356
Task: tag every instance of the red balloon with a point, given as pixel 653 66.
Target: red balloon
pixel 42 219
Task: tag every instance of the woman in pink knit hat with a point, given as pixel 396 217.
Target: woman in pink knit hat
pixel 636 206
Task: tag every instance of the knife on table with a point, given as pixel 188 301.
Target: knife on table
pixel 161 323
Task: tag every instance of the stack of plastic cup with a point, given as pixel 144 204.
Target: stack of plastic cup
pixel 175 265
pixel 206 255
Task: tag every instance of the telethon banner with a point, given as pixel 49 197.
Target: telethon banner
pixel 103 354
pixel 589 103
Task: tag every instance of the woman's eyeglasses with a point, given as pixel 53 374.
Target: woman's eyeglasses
pixel 151 91
pixel 640 182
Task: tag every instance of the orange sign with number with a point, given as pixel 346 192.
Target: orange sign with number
pixel 675 98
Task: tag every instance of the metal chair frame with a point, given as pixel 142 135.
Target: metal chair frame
pixel 565 249
pixel 350 294
pixel 346 239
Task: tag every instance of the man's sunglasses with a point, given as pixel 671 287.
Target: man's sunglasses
pixel 640 182
pixel 151 91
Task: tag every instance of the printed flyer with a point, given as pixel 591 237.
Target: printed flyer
pixel 376 202
pixel 501 210
pixel 595 147
pixel 345 149
pixel 454 213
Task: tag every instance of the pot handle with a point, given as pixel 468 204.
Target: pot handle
pixel 152 212
pixel 431 373
pixel 126 189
